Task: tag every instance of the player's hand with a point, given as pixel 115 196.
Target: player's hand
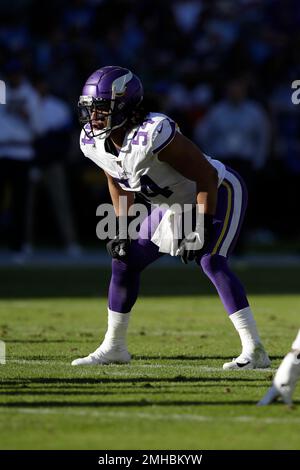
pixel 118 248
pixel 192 246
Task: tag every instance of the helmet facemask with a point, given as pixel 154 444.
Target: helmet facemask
pixel 102 108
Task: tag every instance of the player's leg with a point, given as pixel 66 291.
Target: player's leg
pixel 286 377
pixel 231 207
pixel 123 292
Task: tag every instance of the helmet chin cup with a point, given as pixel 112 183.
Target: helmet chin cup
pixel 106 131
pixel 92 133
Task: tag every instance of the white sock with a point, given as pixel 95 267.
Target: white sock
pixel 115 336
pixel 245 325
pixel 296 343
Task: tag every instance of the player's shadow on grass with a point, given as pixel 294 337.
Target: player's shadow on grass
pixel 192 358
pixel 87 381
pixel 179 358
pixel 141 389
pixel 129 404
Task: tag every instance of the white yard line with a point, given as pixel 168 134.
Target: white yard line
pixel 153 416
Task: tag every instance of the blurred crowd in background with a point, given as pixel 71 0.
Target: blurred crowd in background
pixel 222 69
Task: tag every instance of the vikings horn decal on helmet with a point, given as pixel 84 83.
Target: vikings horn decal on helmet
pixel 111 92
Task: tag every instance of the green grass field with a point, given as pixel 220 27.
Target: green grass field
pixel 173 395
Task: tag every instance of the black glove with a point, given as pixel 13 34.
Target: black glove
pixel 119 247
pixel 191 247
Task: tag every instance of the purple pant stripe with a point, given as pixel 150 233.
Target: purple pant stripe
pixel 222 206
pixel 226 202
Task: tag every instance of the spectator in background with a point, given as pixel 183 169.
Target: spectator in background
pixel 19 125
pixel 236 131
pixel 189 98
pixel 52 148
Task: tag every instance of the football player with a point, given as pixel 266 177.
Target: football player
pixel 286 377
pixel 144 153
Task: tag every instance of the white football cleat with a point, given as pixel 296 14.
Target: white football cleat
pixel 259 359
pixel 117 355
pixel 284 381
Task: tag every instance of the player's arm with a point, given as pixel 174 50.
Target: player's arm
pixel 186 158
pixel 119 247
pixel 116 191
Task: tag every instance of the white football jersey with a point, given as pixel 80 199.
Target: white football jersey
pixel 137 167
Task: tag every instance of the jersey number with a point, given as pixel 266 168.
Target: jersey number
pixel 150 189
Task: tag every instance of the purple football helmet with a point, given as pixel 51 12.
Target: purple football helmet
pixel 113 92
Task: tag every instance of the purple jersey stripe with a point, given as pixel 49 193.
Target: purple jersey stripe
pixel 168 140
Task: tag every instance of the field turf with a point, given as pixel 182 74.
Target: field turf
pixel 173 395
